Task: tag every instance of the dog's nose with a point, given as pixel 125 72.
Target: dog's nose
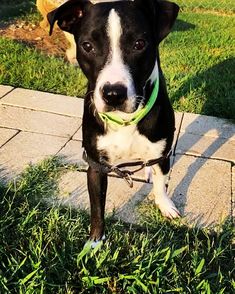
pixel 114 94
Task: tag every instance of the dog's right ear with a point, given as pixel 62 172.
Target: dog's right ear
pixel 67 15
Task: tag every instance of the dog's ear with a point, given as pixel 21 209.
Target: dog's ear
pixel 166 14
pixel 67 15
pixel 162 15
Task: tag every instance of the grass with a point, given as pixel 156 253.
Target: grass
pixel 42 250
pixel 23 66
pixel 16 8
pixel 219 5
pixel 198 59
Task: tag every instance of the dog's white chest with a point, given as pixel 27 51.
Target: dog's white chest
pixel 126 143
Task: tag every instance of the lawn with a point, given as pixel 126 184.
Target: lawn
pixel 198 59
pixel 42 250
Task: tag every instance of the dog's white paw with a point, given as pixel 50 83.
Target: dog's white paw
pixel 93 244
pixel 167 207
pixel 148 174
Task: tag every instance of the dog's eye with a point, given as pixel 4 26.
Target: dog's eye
pixel 139 44
pixel 87 47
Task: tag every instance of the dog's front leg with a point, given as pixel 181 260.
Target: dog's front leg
pixel 97 187
pixel 165 204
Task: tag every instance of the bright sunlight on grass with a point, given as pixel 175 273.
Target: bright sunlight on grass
pixel 225 6
pixel 24 67
pixel 198 60
pixel 42 251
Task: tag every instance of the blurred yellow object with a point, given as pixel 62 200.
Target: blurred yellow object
pixel 44 7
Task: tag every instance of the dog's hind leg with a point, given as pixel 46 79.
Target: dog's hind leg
pixel 165 204
pixel 97 188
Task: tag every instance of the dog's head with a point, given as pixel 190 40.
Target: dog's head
pixel 117 46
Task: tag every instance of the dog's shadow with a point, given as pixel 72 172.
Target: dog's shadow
pixel 181 191
pixel 216 74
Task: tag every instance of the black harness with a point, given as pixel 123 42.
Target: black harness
pixel 120 169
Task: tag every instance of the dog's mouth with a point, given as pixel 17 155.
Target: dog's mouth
pixel 127 107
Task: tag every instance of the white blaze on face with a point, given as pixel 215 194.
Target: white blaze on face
pixel 115 71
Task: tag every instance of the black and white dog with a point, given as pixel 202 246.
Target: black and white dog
pixel 117 49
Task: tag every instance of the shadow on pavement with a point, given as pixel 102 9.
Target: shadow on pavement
pixel 214 101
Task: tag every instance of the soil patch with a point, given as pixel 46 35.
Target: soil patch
pixel 34 36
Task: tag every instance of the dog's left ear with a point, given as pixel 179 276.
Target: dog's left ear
pixel 67 15
pixel 166 14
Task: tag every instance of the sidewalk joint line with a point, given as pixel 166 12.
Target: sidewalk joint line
pixel 18 131
pixel 205 157
pixel 33 132
pixel 70 139
pixel 39 110
pixel 7 92
pixel 177 137
pixel 9 128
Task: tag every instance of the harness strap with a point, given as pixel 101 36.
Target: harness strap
pixel 126 174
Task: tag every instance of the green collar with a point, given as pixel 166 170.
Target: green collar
pixel 112 118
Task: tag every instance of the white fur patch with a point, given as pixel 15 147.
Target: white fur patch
pixel 165 204
pixel 126 143
pixel 93 244
pixel 115 71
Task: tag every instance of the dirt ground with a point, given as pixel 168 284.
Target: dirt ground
pixel 34 36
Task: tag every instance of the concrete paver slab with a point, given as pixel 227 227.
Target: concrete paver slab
pixel 39 122
pixel 121 199
pixel 78 135
pixel 27 148
pixel 207 126
pixel 42 101
pixel 6 135
pixel 211 147
pixel 4 90
pixel 72 152
pixel 201 188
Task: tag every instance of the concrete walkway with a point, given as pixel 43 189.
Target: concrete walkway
pixel 34 125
